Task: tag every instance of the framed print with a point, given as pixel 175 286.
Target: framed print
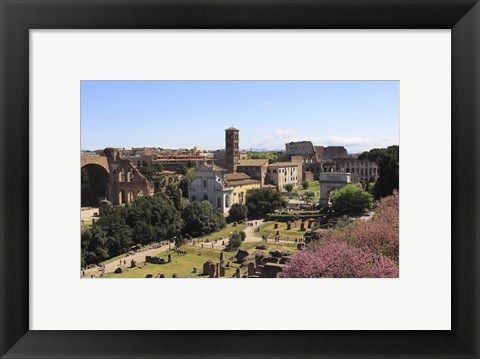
pixel 189 80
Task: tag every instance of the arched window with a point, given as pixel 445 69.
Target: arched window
pixel 194 198
pixel 219 202
pixel 205 197
pixel 227 201
pixel 130 197
pixel 121 197
pixel 121 175
pixel 131 175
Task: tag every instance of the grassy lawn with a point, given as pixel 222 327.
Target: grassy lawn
pixel 267 229
pixel 312 187
pixel 87 223
pixel 223 233
pixel 181 264
pixel 250 246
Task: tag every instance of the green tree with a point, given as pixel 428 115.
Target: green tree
pixel 308 196
pixel 158 166
pixel 153 218
pixel 351 199
pixel 235 240
pixel 200 219
pixel 387 160
pixel 93 246
pixel 288 187
pixel 261 201
pixel 237 213
pixel 185 181
pixel 171 191
pixel 305 184
pixel 148 172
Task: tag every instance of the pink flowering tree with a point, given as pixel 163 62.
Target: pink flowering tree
pixel 366 249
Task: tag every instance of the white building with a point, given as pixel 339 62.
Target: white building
pixel 209 185
pixel 282 173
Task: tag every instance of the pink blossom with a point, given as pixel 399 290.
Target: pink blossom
pixel 366 249
pixel 338 260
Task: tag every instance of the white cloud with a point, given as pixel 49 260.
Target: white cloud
pixel 269 103
pixel 285 133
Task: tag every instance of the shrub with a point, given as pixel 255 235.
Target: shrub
pixel 351 199
pixel 288 187
pixel 236 239
pixel 237 213
pixel 305 185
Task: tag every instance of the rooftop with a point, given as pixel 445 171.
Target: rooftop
pixel 253 162
pixel 283 164
pixel 239 178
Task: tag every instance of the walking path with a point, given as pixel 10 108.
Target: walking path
pixel 138 257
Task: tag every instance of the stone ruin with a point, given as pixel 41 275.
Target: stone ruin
pixel 294 224
pixel 263 265
pixel 118 270
pixel 155 260
pixel 209 269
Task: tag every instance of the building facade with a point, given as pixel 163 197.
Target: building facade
pixel 220 189
pixel 255 168
pixel 281 173
pixel 209 185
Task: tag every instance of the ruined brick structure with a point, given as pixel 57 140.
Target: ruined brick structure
pixel 111 177
pixel 321 159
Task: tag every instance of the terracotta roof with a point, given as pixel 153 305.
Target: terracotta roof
pixel 253 162
pixel 239 179
pixel 236 176
pixel 283 164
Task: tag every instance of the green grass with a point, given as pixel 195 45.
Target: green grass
pixel 223 233
pixel 312 187
pixel 250 246
pixel 182 265
pixel 267 229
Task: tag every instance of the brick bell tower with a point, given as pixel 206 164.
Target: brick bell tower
pixel 232 152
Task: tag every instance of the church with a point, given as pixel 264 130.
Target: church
pixel 223 187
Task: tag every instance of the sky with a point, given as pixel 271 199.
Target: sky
pixel 359 115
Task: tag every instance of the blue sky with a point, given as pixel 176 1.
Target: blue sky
pixel 359 115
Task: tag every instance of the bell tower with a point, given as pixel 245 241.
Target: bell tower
pixel 232 152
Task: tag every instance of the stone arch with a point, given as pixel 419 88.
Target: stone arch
pixel 205 197
pixel 227 200
pixel 121 197
pixel 94 182
pixel 130 196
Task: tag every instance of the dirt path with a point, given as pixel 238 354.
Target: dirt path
pixel 139 257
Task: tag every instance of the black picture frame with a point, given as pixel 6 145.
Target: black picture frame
pixel 17 17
